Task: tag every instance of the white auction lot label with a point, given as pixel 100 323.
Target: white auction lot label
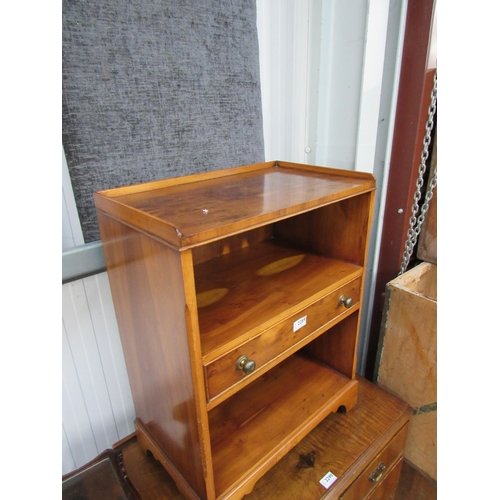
pixel 299 323
pixel 328 479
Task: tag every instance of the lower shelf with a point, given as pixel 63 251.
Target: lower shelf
pixel 344 444
pixel 252 430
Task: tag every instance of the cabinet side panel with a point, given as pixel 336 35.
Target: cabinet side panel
pixel 148 293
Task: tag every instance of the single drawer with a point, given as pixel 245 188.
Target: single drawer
pixel 252 357
pixel 388 485
pixel 379 468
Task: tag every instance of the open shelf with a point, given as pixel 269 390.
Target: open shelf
pixel 264 420
pixel 247 290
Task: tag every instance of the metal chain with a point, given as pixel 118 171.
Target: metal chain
pixel 416 223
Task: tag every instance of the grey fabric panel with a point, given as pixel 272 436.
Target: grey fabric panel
pixel 156 89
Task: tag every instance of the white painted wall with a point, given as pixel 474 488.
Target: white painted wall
pixel 328 69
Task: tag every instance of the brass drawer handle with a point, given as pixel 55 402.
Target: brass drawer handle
pixel 346 301
pixel 378 472
pixel 245 364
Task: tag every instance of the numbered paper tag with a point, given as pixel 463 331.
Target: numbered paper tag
pixel 299 323
pixel 328 480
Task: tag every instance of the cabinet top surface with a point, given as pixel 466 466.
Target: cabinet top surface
pixel 190 210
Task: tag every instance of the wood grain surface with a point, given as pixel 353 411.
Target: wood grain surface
pixel 188 212
pixel 279 341
pixel 152 323
pixel 267 419
pixel 344 443
pixel 256 301
pixel 206 267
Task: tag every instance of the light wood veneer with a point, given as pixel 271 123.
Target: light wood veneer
pixel 247 261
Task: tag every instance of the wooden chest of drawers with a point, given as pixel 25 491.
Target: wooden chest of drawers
pixel 363 449
pixel 237 296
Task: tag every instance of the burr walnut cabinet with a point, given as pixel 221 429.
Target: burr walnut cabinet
pixel 238 299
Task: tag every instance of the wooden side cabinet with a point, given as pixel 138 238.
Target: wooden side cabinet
pixel 238 299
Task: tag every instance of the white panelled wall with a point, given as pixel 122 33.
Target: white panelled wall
pixel 328 70
pixel 97 406
pixel 97 403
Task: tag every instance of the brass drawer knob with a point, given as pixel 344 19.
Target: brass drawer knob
pixel 245 364
pixel 378 472
pixel 346 301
